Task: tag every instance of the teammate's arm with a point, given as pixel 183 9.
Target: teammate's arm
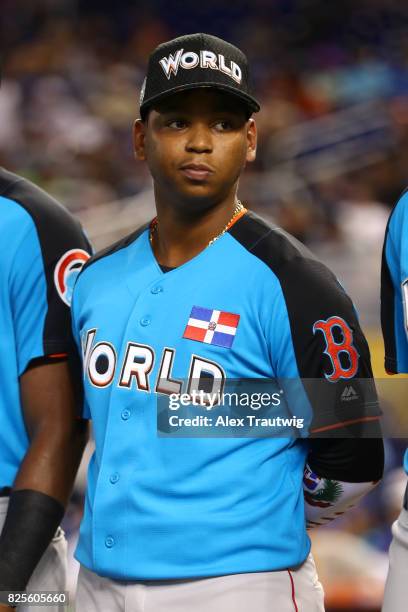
pixel 57 436
pixel 46 475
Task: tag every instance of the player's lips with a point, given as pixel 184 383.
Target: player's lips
pixel 196 172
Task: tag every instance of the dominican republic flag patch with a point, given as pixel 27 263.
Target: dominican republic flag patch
pixel 212 326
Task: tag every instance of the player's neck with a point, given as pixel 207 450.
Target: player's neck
pixel 180 236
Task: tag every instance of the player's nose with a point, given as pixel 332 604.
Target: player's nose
pixel 199 138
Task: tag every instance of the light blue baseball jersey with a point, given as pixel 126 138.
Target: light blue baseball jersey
pixel 394 292
pixel 254 305
pixel 41 250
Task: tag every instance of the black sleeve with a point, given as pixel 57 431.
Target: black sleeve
pixel 63 249
pixel 345 438
pixel 331 353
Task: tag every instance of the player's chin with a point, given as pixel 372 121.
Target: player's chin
pixel 198 198
pixel 197 189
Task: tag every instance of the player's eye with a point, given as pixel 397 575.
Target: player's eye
pixel 223 125
pixel 177 124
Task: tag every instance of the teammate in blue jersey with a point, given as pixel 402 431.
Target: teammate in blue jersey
pixel 207 293
pixel 394 322
pixel 41 439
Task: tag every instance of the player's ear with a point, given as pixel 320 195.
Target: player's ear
pixel 139 133
pixel 252 137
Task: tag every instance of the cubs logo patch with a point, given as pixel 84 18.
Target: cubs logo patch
pixel 66 271
pixel 212 326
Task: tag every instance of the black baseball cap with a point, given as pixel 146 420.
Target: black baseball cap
pixel 192 61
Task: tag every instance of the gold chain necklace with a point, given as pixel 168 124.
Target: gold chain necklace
pixel 238 210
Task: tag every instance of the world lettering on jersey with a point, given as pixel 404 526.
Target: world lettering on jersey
pixel 101 363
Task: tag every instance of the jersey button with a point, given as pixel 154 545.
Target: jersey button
pixel 114 478
pixel 145 321
pixel 125 414
pixel 109 542
pixel 157 289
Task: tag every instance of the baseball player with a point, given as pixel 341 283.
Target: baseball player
pixel 41 438
pixel 208 292
pixel 394 322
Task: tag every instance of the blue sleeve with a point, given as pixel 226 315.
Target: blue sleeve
pixel 394 289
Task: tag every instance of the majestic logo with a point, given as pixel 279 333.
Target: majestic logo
pixel 212 326
pixel 204 59
pixel 348 394
pixel 66 271
pixel 334 349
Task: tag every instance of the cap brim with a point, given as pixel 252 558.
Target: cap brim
pixel 247 100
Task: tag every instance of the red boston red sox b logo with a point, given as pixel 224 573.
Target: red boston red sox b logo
pixel 334 349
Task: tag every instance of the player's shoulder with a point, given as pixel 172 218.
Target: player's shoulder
pixel 281 252
pixel 43 210
pixel 111 250
pixel 268 241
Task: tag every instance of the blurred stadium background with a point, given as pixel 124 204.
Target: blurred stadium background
pixel 332 79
